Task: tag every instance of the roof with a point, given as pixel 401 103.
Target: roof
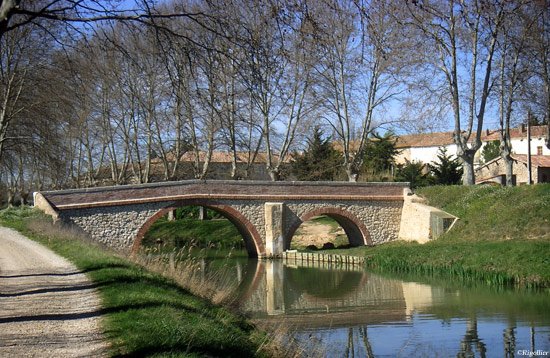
pixel 222 157
pixel 439 139
pixel 519 132
pixel 542 161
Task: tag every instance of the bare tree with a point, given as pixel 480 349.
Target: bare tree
pixel 513 71
pixel 356 72
pixel 464 37
pixel 539 48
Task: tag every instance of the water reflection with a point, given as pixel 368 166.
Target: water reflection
pixel 352 312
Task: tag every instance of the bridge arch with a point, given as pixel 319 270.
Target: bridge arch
pixel 355 229
pixel 253 241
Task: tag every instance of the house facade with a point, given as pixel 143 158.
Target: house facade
pixel 424 147
pixel 494 171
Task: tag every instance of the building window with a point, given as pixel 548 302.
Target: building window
pixel 539 150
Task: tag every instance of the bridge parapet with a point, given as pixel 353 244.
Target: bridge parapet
pixel 222 189
pixel 266 213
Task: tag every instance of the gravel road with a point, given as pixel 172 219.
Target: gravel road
pixel 47 307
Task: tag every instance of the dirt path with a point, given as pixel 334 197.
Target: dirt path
pixel 47 307
pixel 312 233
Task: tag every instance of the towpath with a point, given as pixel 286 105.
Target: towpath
pixel 47 307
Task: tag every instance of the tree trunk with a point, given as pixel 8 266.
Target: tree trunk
pixel 24 197
pixel 202 213
pixel 11 198
pixel 274 174
pixel 468 175
pixel 172 215
pixel 351 173
pixel 505 154
pixel 509 163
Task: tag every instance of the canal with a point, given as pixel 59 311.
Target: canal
pixel 346 311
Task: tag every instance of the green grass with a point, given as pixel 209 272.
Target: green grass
pixel 502 238
pixel 144 313
pixel 219 233
pixel 494 212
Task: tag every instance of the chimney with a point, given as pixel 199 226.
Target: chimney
pixel 487 132
pixel 523 128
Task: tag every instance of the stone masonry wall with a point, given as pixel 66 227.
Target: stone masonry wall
pixel 381 218
pixel 117 226
pixel 114 226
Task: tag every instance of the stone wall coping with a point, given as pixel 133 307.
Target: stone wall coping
pixel 215 197
pixel 228 182
pixel 222 190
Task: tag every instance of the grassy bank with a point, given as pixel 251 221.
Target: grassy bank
pixel 145 313
pixel 502 238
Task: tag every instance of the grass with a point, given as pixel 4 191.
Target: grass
pixel 145 314
pixel 218 233
pixel 502 238
pixel 494 212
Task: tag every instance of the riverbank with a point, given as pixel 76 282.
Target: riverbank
pixel 145 313
pixel 502 238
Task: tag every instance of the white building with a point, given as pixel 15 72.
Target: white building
pixel 424 147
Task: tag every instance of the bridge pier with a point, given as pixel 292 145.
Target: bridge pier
pixel 274 228
pixel 274 275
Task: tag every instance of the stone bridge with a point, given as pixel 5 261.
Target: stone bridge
pixel 266 214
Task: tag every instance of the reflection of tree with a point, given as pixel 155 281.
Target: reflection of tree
pixel 350 348
pixel 509 341
pixel 532 337
pixel 471 340
pixel 336 283
pixel 366 342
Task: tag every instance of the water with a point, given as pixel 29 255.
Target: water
pixel 349 312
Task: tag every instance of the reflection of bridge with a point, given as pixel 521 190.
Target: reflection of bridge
pixel 266 213
pixel 329 297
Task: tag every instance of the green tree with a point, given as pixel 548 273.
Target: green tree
pixel 414 173
pixel 380 153
pixel 490 151
pixel 320 161
pixel 447 170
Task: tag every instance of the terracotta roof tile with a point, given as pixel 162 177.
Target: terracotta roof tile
pixel 542 161
pixel 445 138
pixel 519 132
pixel 425 140
pixel 226 157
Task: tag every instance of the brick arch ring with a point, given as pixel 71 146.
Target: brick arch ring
pixel 355 229
pixel 254 244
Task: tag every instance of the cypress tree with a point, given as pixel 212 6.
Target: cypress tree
pixel 447 171
pixel 320 161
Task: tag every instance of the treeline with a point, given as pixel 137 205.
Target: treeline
pixel 320 161
pixel 90 90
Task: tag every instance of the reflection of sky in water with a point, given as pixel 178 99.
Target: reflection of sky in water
pixel 426 336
